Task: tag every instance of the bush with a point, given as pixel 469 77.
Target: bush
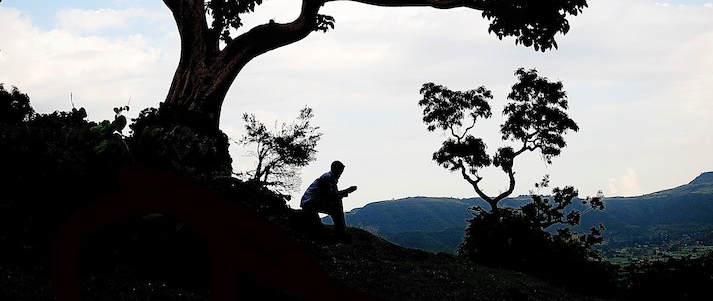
pixel 51 165
pixel 166 139
pixel 516 239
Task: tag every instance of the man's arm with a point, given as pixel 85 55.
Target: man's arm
pixel 344 193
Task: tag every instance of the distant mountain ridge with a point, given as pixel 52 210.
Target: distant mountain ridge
pixel 438 224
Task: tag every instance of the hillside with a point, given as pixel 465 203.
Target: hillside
pixel 385 271
pixel 369 267
pixel 437 224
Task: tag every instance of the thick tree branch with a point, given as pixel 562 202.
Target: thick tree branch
pixel 453 133
pixel 473 183
pixel 262 39
pixel 266 37
pixel 511 187
pixel 442 4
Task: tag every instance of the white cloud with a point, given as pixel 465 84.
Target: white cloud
pixel 100 71
pixel 624 185
pixel 111 21
pixel 77 20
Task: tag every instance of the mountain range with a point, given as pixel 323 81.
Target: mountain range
pixel 683 214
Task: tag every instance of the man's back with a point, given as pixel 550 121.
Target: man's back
pixel 322 187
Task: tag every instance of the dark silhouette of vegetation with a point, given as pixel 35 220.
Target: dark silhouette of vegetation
pixel 536 119
pixel 173 139
pixel 518 239
pixel 672 279
pixel 54 164
pixel 14 106
pixel 281 153
pixel 212 56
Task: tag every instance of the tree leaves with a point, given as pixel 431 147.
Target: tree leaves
pixel 469 153
pixel 324 23
pixel 445 109
pixel 537 114
pixel 533 23
pixel 280 153
pixel 14 106
pixel 226 15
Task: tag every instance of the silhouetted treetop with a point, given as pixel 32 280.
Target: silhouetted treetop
pixel 536 115
pixel 536 119
pixel 444 109
pixel 532 22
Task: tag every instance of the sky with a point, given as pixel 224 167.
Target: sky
pixel 638 73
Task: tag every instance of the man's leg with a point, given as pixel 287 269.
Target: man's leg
pixel 336 211
pixel 311 214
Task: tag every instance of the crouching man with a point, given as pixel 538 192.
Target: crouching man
pixel 323 196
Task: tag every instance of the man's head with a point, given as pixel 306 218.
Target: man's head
pixel 337 169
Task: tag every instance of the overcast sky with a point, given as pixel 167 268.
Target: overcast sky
pixel 639 76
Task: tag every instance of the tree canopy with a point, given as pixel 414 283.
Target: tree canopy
pixel 536 119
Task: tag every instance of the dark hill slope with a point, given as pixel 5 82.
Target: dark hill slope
pixel 437 224
pixel 385 271
pixel 368 264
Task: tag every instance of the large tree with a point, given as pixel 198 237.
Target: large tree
pixel 211 56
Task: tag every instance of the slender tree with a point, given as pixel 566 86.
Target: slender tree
pixel 281 153
pixel 211 56
pixel 536 121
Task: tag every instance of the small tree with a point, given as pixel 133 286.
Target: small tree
pixel 517 238
pixel 536 119
pixel 282 152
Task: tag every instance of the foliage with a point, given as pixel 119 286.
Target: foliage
pixel 536 118
pixel 51 165
pixel 532 22
pixel 517 239
pixel 172 139
pixel 14 106
pixel 282 152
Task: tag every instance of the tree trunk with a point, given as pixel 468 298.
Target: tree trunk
pixel 493 206
pixel 199 91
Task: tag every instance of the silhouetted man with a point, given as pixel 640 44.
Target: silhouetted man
pixel 323 196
